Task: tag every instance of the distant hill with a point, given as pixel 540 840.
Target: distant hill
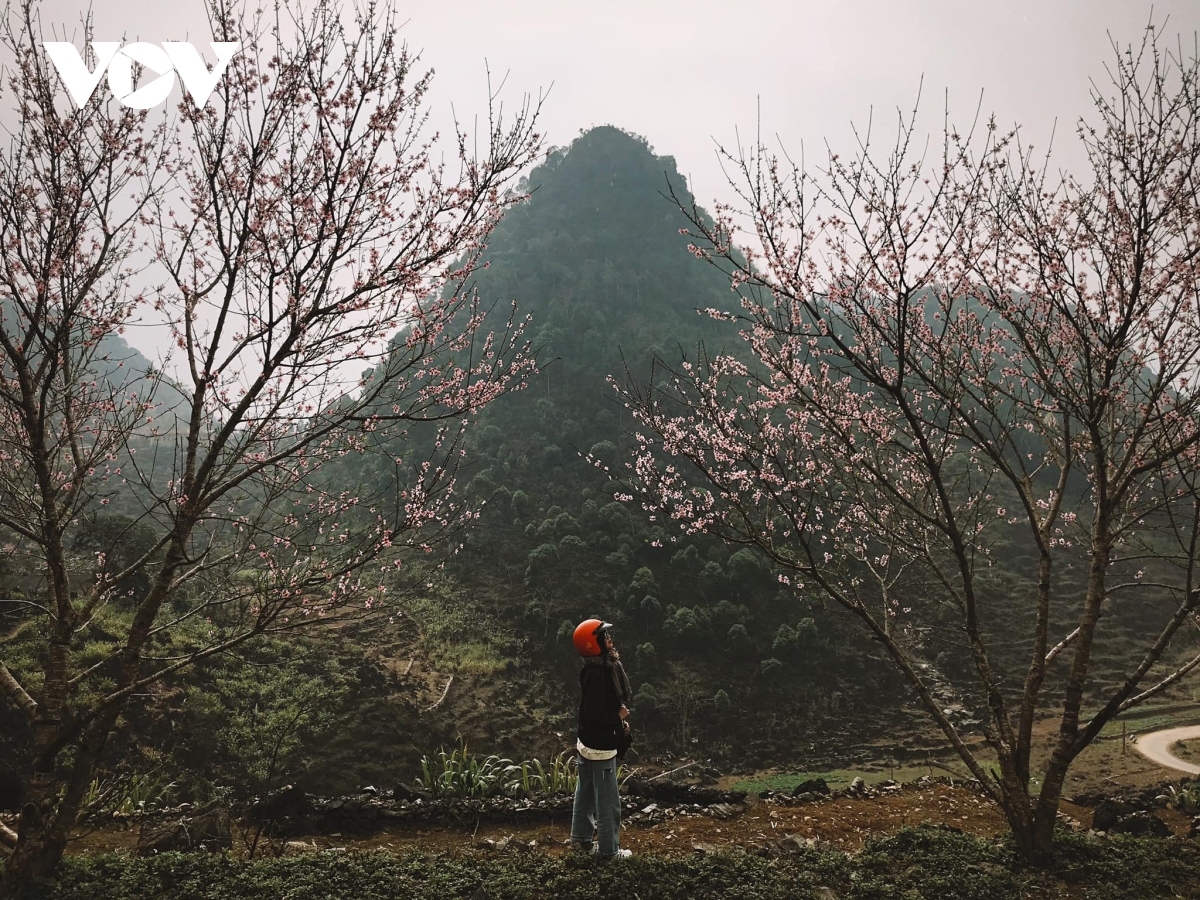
pixel 113 361
pixel 595 255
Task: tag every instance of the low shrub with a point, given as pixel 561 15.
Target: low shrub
pixel 925 863
pixel 461 773
pixel 380 876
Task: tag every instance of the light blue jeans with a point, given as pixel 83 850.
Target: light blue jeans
pixel 597 805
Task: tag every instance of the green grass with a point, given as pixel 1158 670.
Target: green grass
pixel 914 864
pixel 460 635
pixel 787 781
pixel 470 659
pixel 841 778
pixel 1150 718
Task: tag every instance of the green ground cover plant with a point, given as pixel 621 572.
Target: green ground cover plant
pixel 1151 718
pixel 914 864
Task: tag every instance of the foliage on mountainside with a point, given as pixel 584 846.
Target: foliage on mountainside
pixel 596 258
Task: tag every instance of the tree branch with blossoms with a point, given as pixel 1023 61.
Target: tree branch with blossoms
pixel 306 249
pixel 946 358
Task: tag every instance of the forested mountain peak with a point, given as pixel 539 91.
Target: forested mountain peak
pixel 595 256
pixel 604 194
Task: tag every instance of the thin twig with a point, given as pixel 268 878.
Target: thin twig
pixel 672 772
pixel 445 691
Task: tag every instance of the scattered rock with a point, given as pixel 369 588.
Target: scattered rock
pixel 287 803
pixel 408 793
pixel 811 786
pixel 663 791
pixel 724 810
pixel 1108 812
pixel 706 849
pixel 290 812
pixel 793 843
pixel 1142 824
pixel 1069 823
pixel 294 848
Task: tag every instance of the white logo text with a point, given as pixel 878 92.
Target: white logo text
pixel 165 61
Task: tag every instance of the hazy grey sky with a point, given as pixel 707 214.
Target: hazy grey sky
pixel 685 73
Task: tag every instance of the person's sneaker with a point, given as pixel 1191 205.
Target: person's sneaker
pixel 620 854
pixel 585 849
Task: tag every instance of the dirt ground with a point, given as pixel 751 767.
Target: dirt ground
pixel 842 821
pixel 1109 767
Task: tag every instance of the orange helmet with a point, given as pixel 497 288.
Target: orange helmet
pixel 587 637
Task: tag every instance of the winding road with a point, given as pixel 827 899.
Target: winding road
pixel 1156 745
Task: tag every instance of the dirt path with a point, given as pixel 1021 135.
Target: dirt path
pixel 843 821
pixel 1156 745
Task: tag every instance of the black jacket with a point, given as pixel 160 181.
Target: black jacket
pixel 599 710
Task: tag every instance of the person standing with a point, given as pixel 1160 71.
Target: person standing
pixel 603 734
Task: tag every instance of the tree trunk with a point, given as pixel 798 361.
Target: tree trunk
pixel 1048 802
pixel 47 818
pixel 1018 808
pixel 1027 818
pixel 1023 833
pixel 1065 749
pixel 41 837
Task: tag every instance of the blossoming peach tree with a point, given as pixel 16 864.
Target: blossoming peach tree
pixel 279 235
pixel 948 362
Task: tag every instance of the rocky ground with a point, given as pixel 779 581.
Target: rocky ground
pixel 659 818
